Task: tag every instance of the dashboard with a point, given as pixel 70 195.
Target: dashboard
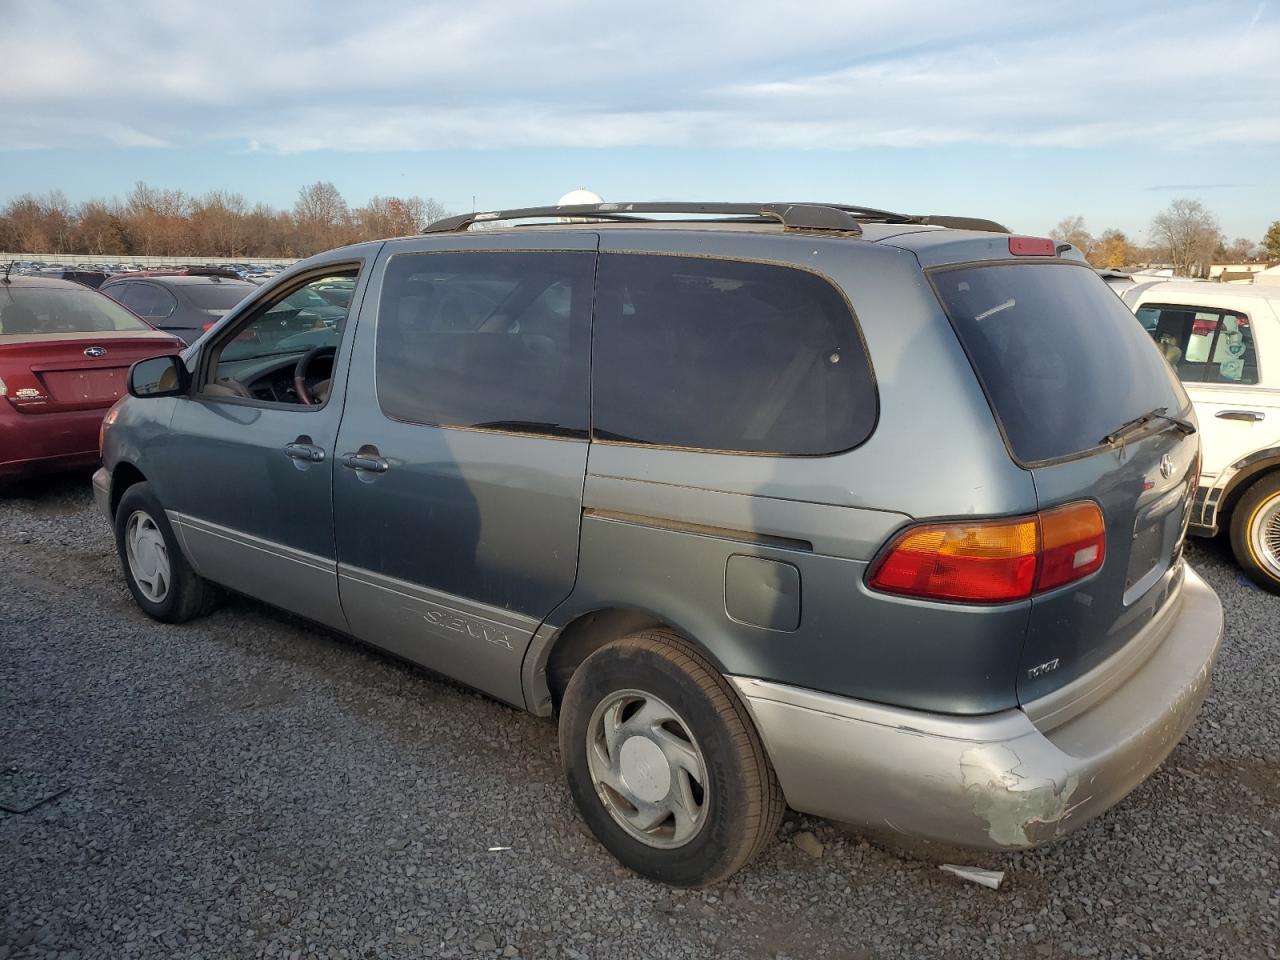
pixel 271 378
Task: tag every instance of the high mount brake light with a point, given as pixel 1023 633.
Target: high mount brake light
pixel 1032 247
pixel 994 561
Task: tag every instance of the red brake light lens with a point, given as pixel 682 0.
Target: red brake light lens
pixel 994 561
pixel 991 562
pixel 1032 247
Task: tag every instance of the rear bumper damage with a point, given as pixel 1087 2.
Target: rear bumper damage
pixel 1009 780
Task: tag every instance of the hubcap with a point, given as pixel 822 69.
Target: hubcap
pixel 1264 535
pixel 647 769
pixel 147 555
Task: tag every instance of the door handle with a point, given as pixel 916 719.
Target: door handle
pixel 306 452
pixel 1252 416
pixel 365 460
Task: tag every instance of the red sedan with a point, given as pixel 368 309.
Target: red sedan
pixel 65 351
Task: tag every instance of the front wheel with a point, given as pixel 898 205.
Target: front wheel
pixel 159 576
pixel 1255 533
pixel 664 763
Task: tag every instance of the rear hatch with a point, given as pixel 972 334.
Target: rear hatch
pixel 1064 366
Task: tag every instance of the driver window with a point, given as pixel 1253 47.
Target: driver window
pixel 283 352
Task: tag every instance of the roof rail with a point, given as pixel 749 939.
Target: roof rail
pixel 961 223
pixel 793 216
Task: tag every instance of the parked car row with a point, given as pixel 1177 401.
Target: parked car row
pixel 877 516
pixel 94 274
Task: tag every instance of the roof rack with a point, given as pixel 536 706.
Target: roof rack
pixel 793 216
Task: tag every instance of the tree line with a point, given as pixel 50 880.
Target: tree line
pixel 171 223
pixel 1185 236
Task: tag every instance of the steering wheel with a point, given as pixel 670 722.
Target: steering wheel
pixel 300 372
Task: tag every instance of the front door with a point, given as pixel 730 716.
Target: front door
pixel 252 456
pixel 462 452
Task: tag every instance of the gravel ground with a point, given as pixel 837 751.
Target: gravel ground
pixel 251 785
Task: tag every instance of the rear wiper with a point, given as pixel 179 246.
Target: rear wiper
pixel 1129 427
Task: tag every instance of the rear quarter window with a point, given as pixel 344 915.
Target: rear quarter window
pixel 1061 359
pixel 726 355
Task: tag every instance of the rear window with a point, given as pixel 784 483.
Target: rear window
pixel 728 356
pixel 35 310
pixel 217 295
pixel 1063 362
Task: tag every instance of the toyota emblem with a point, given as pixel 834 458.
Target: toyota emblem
pixel 1166 466
pixel 95 351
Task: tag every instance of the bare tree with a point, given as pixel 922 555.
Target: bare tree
pixel 1188 234
pixel 160 222
pixel 322 217
pixel 1072 230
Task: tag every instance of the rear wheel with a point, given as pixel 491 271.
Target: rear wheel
pixel 1255 533
pixel 159 577
pixel 664 763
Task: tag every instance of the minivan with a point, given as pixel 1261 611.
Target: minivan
pixel 876 516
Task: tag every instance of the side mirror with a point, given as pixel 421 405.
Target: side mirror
pixel 159 377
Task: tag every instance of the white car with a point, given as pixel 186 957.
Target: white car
pixel 1224 343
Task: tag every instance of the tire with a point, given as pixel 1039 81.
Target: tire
pixel 147 546
pixel 1255 532
pixel 662 699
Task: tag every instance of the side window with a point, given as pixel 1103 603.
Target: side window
pixel 119 292
pixel 1204 345
pixel 495 341
pixel 729 356
pixel 257 357
pixel 150 301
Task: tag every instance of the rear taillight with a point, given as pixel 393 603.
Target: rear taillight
pixel 206 327
pixel 993 561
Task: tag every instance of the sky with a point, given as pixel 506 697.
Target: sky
pixel 1024 112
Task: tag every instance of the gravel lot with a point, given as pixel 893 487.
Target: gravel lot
pixel 251 785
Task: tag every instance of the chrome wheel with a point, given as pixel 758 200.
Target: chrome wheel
pixel 647 769
pixel 148 556
pixel 1264 535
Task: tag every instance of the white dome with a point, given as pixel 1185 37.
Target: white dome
pixel 579 197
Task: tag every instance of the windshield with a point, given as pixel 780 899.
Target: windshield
pixel 37 310
pixel 217 295
pixel 1061 359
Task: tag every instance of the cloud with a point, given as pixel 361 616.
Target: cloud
pixel 296 77
pixel 1195 186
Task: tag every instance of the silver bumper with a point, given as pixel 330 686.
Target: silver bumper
pixel 102 493
pixel 1004 780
